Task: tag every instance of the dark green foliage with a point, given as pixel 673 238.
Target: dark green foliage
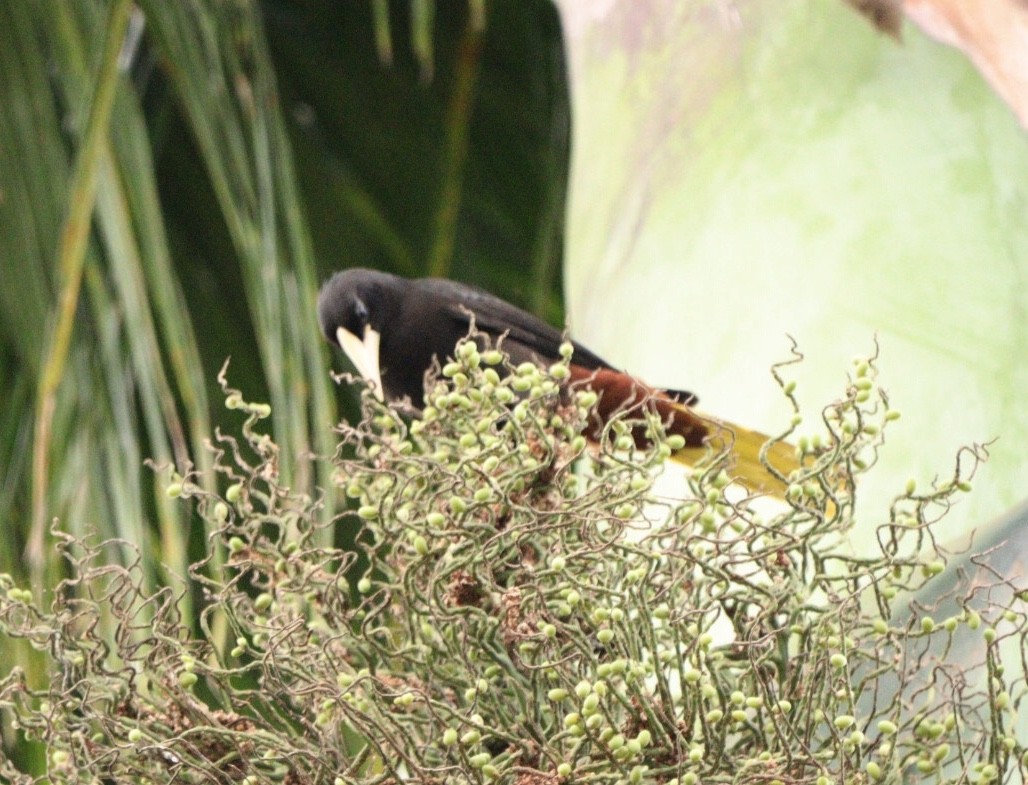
pixel 247 151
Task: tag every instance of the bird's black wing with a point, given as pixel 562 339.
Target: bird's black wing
pixel 525 332
pixel 496 317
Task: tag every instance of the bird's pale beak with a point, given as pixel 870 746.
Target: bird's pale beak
pixel 363 353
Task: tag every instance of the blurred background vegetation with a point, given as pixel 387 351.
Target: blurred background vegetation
pixel 245 151
pixel 176 180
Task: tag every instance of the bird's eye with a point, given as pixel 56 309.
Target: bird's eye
pixel 360 312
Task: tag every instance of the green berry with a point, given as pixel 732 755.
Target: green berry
pixel 844 721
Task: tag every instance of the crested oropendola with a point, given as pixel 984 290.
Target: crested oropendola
pixel 392 329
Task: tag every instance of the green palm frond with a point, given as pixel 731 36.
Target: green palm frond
pixel 176 179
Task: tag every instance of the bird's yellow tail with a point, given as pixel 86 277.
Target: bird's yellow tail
pixel 745 446
pixel 703 435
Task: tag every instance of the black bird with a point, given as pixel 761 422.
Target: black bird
pixel 392 329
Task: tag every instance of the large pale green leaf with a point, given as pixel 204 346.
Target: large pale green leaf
pixel 746 171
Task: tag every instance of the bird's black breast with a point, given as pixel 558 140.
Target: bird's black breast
pixel 421 332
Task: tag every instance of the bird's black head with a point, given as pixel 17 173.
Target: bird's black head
pixel 353 306
pixel 352 299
